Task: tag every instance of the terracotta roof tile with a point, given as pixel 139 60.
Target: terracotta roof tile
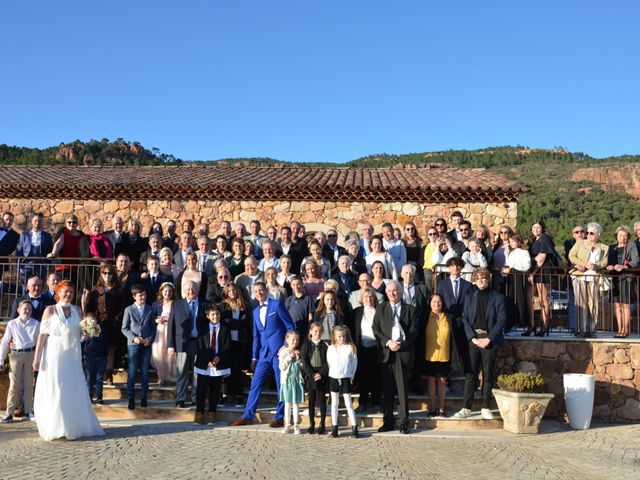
pixel 422 184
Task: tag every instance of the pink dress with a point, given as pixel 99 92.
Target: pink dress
pixel 164 363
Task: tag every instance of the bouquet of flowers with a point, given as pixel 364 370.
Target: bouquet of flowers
pixel 90 327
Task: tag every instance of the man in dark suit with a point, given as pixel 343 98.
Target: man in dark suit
pixel 454 233
pixel 8 236
pixel 465 234
pixel 155 245
pixel 118 237
pixel 170 240
pixel 186 246
pixel 483 317
pixel 331 250
pixel 154 279
pixel 346 279
pixel 127 277
pixel 34 243
pixel 455 291
pixel 395 326
pixel 35 296
pixel 271 321
pixel 418 296
pixel 185 318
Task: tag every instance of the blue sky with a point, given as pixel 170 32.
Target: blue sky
pixel 321 81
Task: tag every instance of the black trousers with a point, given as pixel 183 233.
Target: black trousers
pixel 368 376
pixel 485 359
pixel 395 376
pixel 238 356
pixel 207 386
pixel 317 397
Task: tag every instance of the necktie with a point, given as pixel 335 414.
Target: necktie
pixel 193 310
pixel 214 337
pixel 455 289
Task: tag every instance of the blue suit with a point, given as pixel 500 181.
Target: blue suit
pixel 26 249
pixel 267 341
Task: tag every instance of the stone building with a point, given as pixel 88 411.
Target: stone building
pixel 319 197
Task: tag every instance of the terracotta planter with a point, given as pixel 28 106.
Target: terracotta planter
pixel 521 412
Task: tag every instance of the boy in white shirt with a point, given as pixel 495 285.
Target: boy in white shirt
pixel 23 331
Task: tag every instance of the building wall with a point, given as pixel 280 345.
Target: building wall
pixel 615 365
pixel 344 216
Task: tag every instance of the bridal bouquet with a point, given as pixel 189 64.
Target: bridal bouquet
pixel 90 327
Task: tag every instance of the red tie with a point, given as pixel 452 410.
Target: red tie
pixel 213 341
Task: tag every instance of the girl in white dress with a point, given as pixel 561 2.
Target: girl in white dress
pixel 62 405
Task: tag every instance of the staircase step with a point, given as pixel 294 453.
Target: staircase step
pixel 167 411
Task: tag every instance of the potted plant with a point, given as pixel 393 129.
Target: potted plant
pixel 521 401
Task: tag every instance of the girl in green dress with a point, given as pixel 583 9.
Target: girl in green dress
pixel 291 383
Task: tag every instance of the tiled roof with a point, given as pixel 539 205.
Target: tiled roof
pixel 428 184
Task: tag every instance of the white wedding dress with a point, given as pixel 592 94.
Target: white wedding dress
pixel 62 406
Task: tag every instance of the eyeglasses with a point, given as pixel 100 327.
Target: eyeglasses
pixel 464 229
pixel 331 235
pixel 591 233
pixel 106 273
pixel 410 229
pixel 72 222
pixel 504 232
pixel 441 224
pixel 432 234
pixel 223 277
pixel 578 231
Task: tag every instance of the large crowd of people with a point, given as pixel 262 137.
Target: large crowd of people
pixel 375 314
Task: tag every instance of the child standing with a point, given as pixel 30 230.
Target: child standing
pixel 291 386
pixel 96 353
pixel 23 331
pixel 328 313
pixel 212 364
pixel 314 361
pixel 343 362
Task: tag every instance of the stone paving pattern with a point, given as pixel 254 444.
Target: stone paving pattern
pixel 181 451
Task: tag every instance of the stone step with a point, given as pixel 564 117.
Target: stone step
pixel 269 396
pixel 167 411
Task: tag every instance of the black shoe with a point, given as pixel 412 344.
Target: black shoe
pixel 404 428
pixel 354 430
pixel 589 335
pixel 180 404
pixel 334 431
pixel 321 430
pixel 132 404
pixel 312 428
pixel 432 413
pixel 99 401
pixel 143 403
pixel 223 402
pixel 528 332
pixel 543 332
pixel 385 428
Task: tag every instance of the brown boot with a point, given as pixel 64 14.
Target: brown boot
pixel 199 419
pixel 210 418
pixel 277 424
pixel 238 422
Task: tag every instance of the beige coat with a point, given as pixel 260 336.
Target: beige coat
pixel 579 255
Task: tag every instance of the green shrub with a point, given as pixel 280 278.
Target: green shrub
pixel 521 383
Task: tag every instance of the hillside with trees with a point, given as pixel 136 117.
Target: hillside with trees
pixel 554 197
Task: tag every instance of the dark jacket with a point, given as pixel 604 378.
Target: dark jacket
pixel 133 325
pixel 496 317
pixel 206 354
pixel 9 243
pixel 108 310
pixel 180 326
pixel 382 325
pixel 305 355
pixel 45 301
pixel 454 306
pixel 242 325
pixel 152 288
pixel 24 247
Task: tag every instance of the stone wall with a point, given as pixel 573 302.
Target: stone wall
pixel 616 366
pixel 344 216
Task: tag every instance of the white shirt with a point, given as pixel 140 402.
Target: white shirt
pixel 342 361
pixel 23 334
pixel 409 293
pixel 36 238
pixel 368 339
pixel 519 259
pixel 397 250
pixel 396 331
pixel 263 314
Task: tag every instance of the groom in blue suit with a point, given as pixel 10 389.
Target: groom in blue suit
pixel 271 321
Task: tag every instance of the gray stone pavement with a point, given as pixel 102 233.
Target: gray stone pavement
pixel 178 450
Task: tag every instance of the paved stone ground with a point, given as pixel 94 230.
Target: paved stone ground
pixel 154 450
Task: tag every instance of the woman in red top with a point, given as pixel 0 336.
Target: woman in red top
pixel 67 247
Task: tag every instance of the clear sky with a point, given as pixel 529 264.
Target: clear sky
pixel 321 80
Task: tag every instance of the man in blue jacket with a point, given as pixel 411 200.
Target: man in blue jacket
pixel 271 321
pixel 484 316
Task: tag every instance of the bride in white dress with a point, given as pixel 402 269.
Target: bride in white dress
pixel 61 404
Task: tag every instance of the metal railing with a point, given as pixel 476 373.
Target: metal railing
pixel 575 303
pixel 15 271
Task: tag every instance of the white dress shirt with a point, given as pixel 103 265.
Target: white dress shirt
pixel 23 334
